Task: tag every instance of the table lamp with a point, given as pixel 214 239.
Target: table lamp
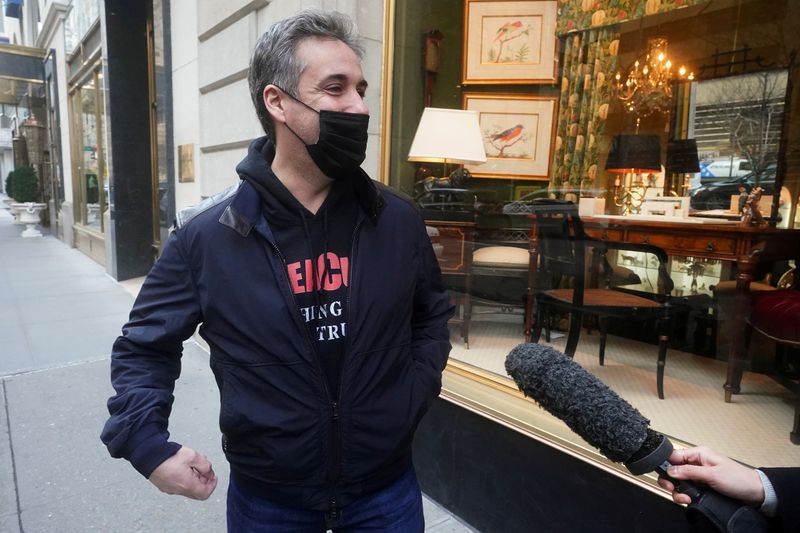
pixel 448 136
pixel 631 156
pixel 682 159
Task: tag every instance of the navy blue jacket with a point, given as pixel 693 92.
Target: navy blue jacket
pixel 786 482
pixel 221 269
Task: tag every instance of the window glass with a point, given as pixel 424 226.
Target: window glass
pixel 164 193
pixel 651 152
pixel 737 121
pixel 80 18
pixel 89 124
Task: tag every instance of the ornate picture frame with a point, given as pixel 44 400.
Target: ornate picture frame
pixel 509 42
pixel 518 132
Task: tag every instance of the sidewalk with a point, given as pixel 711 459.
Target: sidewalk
pixel 59 315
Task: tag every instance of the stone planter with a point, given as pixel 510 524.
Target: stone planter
pixel 12 208
pixel 30 215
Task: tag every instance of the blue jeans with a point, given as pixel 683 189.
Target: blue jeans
pixel 396 508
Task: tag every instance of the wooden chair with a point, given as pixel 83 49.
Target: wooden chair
pixel 558 275
pixel 500 265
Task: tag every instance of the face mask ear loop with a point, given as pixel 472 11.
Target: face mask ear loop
pixel 295 134
pixel 287 93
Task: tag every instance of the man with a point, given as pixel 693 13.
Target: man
pixel 321 300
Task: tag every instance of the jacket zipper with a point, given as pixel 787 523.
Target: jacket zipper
pixel 336 430
pixel 333 469
pixel 332 515
pixel 298 319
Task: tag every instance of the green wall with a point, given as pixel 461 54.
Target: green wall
pixel 414 19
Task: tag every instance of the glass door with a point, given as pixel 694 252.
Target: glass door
pixel 89 170
pixel 89 153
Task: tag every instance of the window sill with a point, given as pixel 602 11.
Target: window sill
pixel 498 399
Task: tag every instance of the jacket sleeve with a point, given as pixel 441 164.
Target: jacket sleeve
pixel 431 311
pixel 786 482
pixel 145 361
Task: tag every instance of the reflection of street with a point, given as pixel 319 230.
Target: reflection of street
pixel 718 194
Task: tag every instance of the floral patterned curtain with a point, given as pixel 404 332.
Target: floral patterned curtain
pixel 590 60
pixel 579 15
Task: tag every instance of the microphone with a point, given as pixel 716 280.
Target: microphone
pixel 602 418
pixel 587 405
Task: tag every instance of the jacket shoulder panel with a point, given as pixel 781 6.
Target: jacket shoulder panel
pixel 186 215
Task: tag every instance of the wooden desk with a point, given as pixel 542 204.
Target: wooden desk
pixel 729 242
pixel 457 239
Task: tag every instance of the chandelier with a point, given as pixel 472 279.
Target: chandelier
pixel 647 87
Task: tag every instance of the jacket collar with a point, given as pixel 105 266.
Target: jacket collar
pixel 369 196
pixel 244 212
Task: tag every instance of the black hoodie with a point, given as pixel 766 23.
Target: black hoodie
pixel 313 247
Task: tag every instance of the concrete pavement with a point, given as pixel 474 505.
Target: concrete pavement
pixel 59 314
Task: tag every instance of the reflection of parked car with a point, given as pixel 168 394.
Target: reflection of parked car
pixel 523 205
pixel 726 168
pixel 450 200
pixel 446 199
pixel 718 195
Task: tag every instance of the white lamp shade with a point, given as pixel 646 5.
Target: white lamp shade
pixel 448 135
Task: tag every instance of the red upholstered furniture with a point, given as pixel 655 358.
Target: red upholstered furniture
pixel 775 314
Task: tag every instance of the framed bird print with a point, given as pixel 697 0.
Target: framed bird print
pixel 517 132
pixel 509 42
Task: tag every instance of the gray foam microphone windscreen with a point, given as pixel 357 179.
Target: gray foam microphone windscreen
pixel 591 409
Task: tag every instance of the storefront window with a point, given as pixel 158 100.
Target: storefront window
pixel 660 166
pixel 163 192
pixel 83 14
pixel 89 152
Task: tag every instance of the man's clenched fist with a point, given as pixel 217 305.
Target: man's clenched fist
pixel 186 473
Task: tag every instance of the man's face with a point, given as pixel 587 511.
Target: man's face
pixel 332 80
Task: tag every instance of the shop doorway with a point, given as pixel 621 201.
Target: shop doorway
pixel 89 168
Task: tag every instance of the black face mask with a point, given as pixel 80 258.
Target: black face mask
pixel 342 143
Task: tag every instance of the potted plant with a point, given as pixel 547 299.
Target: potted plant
pixel 9 199
pixel 25 189
pixel 9 186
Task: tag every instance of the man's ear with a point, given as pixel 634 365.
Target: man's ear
pixel 273 101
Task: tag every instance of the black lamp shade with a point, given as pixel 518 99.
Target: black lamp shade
pixel 682 156
pixel 634 153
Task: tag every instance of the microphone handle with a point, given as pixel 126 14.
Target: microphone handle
pixel 681 485
pixel 725 513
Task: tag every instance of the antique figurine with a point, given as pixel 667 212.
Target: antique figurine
pixel 751 215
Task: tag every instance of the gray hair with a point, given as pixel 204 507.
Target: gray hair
pixel 274 58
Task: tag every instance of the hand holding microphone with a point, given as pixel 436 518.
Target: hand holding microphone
pixel 716 471
pixel 603 419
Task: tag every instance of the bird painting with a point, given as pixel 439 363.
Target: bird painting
pixel 507 32
pixel 506 138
